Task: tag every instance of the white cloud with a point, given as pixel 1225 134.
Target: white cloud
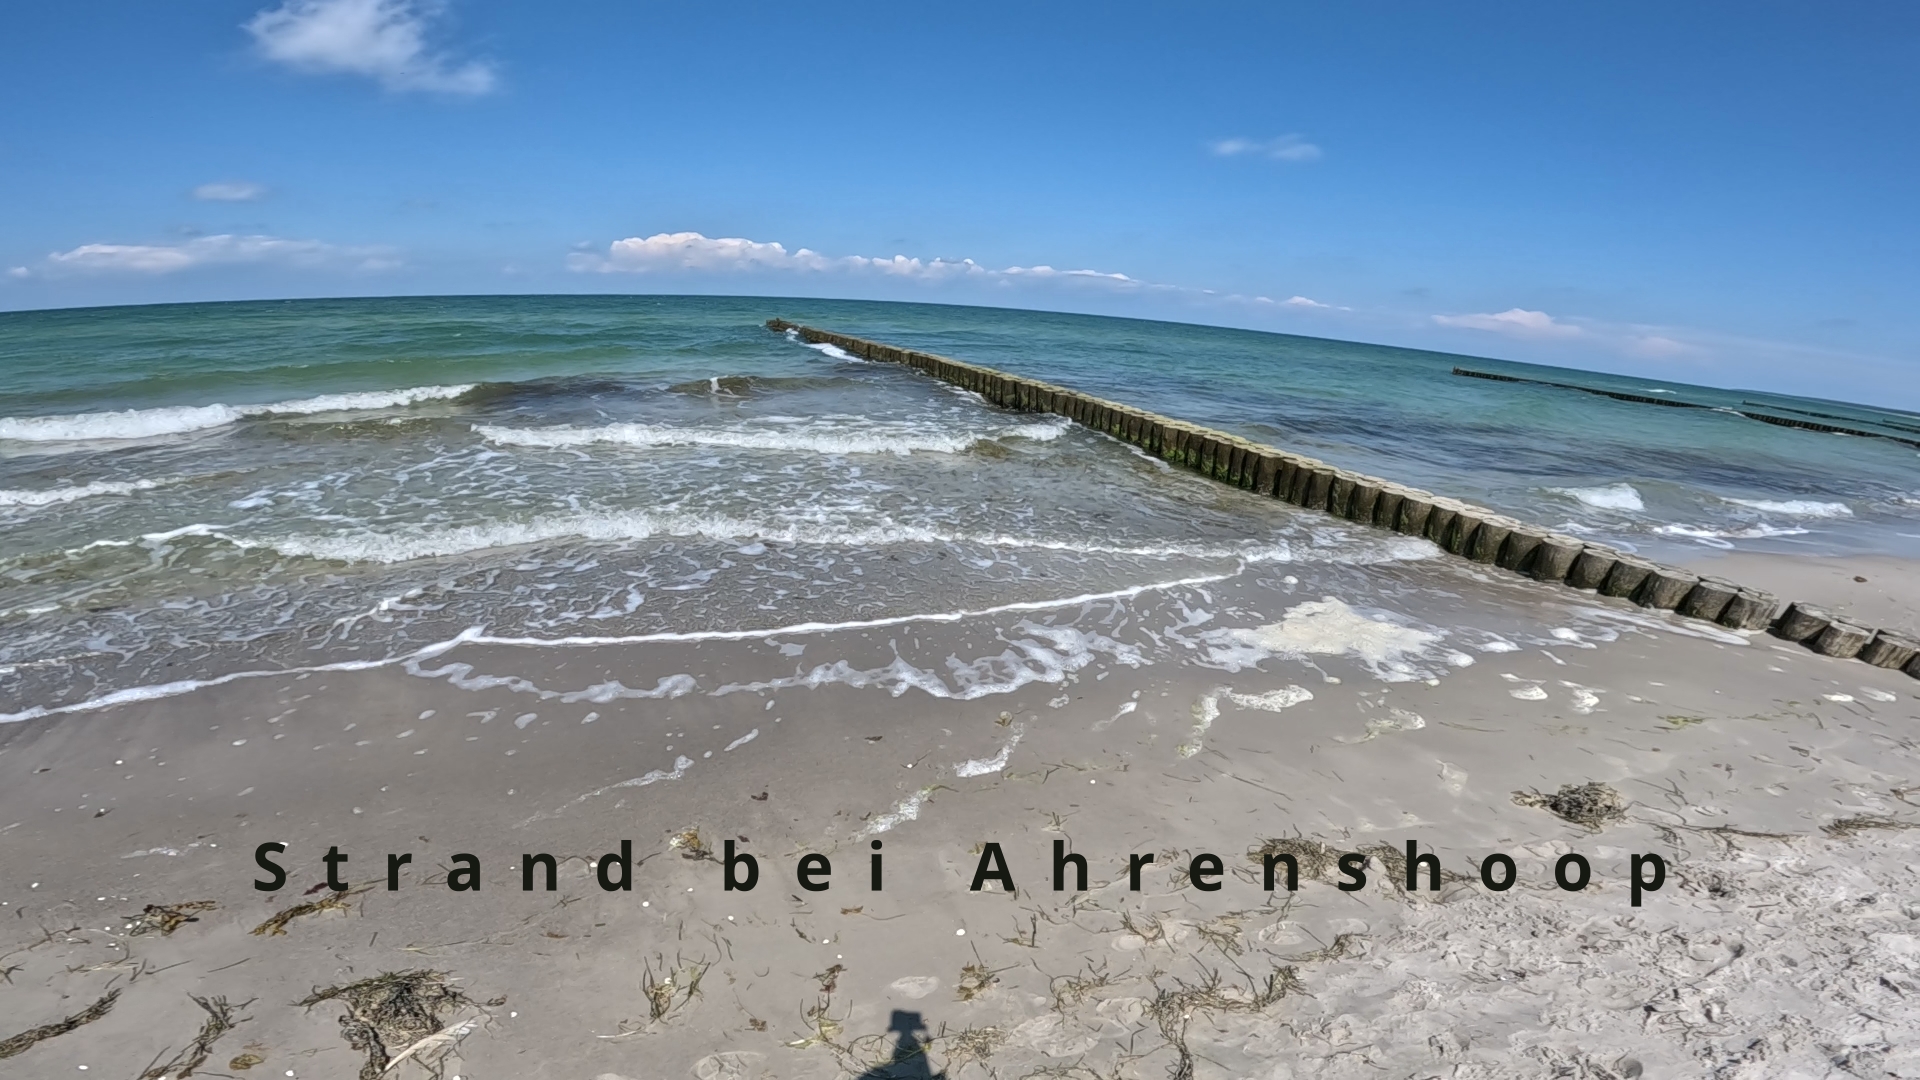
pixel 1282 148
pixel 1304 303
pixel 1658 346
pixel 1049 272
pixel 230 191
pixel 665 252
pixel 385 40
pixel 1516 322
pixel 213 251
pixel 19 272
pixel 692 251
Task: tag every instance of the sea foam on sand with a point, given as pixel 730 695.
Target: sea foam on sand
pixel 1328 627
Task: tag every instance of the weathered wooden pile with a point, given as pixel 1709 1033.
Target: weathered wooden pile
pixel 1459 528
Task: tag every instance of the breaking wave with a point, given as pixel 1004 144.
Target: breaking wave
pixel 74 493
pixel 1721 538
pixel 869 438
pixel 180 419
pixel 624 526
pixel 1606 497
pixel 1797 507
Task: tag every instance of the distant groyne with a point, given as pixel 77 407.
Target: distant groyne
pixel 1460 529
pixel 1672 403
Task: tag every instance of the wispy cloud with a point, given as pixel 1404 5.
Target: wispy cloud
pixel 1659 346
pixel 384 40
pixel 224 249
pixel 1280 148
pixel 230 191
pixel 1514 322
pixel 684 251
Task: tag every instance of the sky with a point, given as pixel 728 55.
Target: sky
pixel 1709 192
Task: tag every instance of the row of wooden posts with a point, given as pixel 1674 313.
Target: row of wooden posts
pixel 1459 528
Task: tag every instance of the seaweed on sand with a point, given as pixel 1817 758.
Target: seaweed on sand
pixel 220 1020
pixel 1848 827
pixel 391 1015
pixel 21 1043
pixel 277 925
pixel 1313 858
pixel 1173 1009
pixel 1592 804
pixel 166 918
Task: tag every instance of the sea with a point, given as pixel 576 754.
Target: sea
pixel 201 492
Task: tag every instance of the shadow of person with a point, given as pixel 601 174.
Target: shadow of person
pixel 909 1060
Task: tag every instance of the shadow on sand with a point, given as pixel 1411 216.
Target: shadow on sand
pixel 909 1060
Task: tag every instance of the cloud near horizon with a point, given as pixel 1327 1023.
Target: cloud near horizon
pixel 223 249
pixel 1513 322
pixel 1281 148
pixel 230 191
pixel 694 251
pixel 384 40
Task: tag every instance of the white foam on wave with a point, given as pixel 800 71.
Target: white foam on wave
pixel 908 809
pixel 187 686
pixel 989 766
pixel 462 676
pixel 76 492
pixel 1329 627
pixel 1048 654
pixel 680 766
pixel 834 351
pixel 1606 497
pixel 1797 507
pixel 863 438
pixel 1723 538
pixel 478 636
pixel 1206 710
pixel 180 419
pixel 616 526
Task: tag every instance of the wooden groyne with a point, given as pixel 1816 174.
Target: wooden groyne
pixel 1674 403
pixel 1459 528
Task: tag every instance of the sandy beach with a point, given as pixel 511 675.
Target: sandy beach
pixel 1874 590
pixel 1776 785
pixel 538 543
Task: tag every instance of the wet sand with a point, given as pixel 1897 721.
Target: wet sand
pixel 1775 784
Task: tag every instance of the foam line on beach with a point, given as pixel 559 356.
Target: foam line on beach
pixel 187 686
pixel 794 629
pixel 619 526
pixel 1458 528
pixel 477 636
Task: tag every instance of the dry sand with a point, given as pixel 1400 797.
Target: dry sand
pixel 1781 788
pixel 1872 590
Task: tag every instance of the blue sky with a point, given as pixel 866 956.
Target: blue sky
pixel 1710 192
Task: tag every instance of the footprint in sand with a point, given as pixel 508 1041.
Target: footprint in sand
pixel 732 1065
pixel 914 986
pixel 1056 1036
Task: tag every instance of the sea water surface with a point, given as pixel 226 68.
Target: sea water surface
pixel 189 491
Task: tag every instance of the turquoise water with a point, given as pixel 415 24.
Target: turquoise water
pixel 188 490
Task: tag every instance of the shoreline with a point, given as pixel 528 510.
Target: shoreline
pixel 1462 529
pixel 1768 777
